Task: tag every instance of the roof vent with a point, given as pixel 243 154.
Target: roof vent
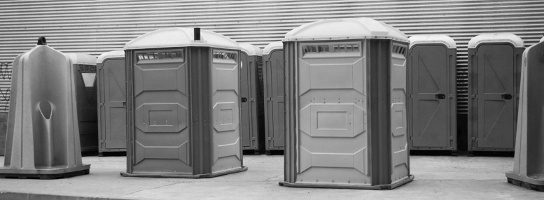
pixel 41 41
pixel 197 34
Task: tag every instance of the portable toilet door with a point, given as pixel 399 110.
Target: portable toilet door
pixel 345 113
pixel 112 116
pixel 183 104
pixel 494 73
pixel 431 90
pixel 274 93
pixel 250 59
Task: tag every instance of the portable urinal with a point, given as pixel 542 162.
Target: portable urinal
pixel 43 131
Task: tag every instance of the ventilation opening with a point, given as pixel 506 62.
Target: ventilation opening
pixel 224 55
pixel 331 48
pixel 398 49
pixel 163 55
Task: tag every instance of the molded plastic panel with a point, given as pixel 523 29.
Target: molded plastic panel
pixel 274 92
pixel 226 112
pixel 529 156
pixel 112 97
pixel 161 117
pixel 332 108
pixel 495 120
pixel 431 114
pixel 250 87
pixel 399 130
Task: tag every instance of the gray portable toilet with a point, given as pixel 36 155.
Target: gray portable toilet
pixel 183 104
pixel 345 113
pixel 529 157
pixel 274 92
pixel 112 116
pixel 251 124
pixel 494 72
pixel 431 87
pixel 45 116
pixel 85 83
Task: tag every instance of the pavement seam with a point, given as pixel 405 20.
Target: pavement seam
pixel 149 189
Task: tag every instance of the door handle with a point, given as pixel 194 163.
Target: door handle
pixel 506 96
pixel 244 99
pixel 440 96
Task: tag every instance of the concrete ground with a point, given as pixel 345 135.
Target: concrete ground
pixel 436 177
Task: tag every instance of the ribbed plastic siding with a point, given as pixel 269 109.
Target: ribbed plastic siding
pixel 97 26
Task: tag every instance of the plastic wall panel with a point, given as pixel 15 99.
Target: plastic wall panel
pixel 400 167
pixel 274 91
pixel 245 107
pixel 332 115
pixel 250 87
pixel 226 113
pixel 493 109
pixel 432 88
pixel 161 133
pixel 529 156
pixel 112 111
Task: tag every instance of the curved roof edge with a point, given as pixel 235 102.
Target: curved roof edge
pixel 81 58
pixel 495 38
pixel 272 46
pixel 433 39
pixel 111 54
pixel 75 58
pixel 250 50
pixel 180 37
pixel 341 29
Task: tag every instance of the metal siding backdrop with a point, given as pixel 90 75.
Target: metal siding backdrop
pixel 98 26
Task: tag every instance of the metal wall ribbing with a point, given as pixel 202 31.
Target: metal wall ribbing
pixel 97 26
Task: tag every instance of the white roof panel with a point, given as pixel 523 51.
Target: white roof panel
pixel 81 58
pixel 433 39
pixel 272 46
pixel 111 54
pixel 250 50
pixel 495 38
pixel 340 29
pixel 181 37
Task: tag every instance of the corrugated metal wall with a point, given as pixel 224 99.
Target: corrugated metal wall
pixel 97 26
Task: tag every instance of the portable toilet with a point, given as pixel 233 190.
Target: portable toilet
pixel 251 124
pixel 529 157
pixel 85 83
pixel 494 64
pixel 183 104
pixel 431 90
pixel 274 92
pixel 112 116
pixel 345 113
pixel 44 119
